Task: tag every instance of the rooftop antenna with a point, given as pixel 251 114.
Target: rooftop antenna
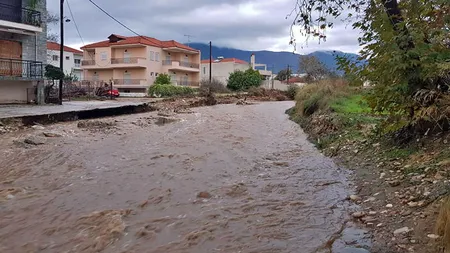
pixel 189 38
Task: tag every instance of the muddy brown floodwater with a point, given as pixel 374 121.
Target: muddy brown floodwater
pixel 226 178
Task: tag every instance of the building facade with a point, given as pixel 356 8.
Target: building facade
pixel 23 51
pixel 72 59
pixel 223 67
pixel 133 63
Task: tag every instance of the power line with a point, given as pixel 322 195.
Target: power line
pixel 75 23
pixel 115 19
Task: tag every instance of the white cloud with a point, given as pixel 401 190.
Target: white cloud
pixel 241 24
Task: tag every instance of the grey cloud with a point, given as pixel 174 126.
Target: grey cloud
pixel 220 21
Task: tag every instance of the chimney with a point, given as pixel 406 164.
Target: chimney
pixel 252 61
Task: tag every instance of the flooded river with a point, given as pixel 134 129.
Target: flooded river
pixel 226 178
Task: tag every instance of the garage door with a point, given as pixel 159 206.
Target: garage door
pixel 10 56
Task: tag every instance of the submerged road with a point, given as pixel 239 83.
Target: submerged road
pixel 226 178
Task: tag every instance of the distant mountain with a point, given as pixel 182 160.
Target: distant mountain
pixel 275 61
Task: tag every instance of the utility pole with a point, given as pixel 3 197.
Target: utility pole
pixel 287 74
pixel 61 50
pixel 210 62
pixel 273 68
pixel 189 38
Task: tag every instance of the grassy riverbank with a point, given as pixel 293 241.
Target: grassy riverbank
pixel 413 178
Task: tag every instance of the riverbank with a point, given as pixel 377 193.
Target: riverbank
pixel 400 189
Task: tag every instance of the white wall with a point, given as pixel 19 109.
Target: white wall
pixel 221 70
pixel 68 64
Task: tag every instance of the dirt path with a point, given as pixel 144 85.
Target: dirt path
pixel 226 178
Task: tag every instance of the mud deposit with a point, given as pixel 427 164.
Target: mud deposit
pixel 225 178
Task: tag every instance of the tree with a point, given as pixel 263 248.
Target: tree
pixel 404 43
pixel 52 19
pixel 313 68
pixel 162 79
pixel 242 80
pixel 284 74
pixel 53 73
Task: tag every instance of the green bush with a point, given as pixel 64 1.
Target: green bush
pixel 243 80
pixel 162 79
pixel 169 90
pixel 291 92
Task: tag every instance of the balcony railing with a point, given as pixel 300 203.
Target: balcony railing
pixel 129 60
pixel 189 64
pixel 128 81
pixel 187 83
pixel 182 63
pixel 20 15
pixel 87 62
pixel 21 69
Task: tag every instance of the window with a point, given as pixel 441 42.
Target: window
pixel 151 73
pixel 55 57
pixel 156 56
pixel 152 56
pixel 77 62
pixel 204 70
pixel 67 57
pixel 103 56
pixel 156 74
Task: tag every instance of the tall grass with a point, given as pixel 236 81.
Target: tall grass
pixel 320 96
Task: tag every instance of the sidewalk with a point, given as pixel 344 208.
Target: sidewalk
pixel 18 111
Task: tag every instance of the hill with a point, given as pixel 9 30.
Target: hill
pixel 275 60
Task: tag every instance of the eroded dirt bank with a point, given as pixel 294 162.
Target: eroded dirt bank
pixel 225 178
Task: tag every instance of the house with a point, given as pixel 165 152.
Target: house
pixel 133 63
pixel 72 59
pixel 22 51
pixel 262 68
pixel 223 67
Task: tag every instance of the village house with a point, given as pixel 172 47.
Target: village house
pixel 72 59
pixel 23 51
pixel 133 63
pixel 223 67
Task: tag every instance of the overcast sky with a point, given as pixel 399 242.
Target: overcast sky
pixel 242 24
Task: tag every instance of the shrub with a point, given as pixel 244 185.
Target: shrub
pixel 257 91
pixel 216 86
pixel 169 90
pixel 243 80
pixel 291 91
pixel 318 96
pixel 162 79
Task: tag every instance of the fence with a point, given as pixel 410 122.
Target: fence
pixel 73 90
pixel 20 15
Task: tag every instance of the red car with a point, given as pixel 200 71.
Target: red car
pixel 115 93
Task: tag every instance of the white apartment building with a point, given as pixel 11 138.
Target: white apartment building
pixel 72 59
pixel 223 67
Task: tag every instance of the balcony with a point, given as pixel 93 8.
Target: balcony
pixel 130 83
pixel 20 19
pixel 186 83
pixel 12 69
pixel 87 62
pixel 181 65
pixel 139 62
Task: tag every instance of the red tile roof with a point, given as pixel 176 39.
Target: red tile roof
pixel 238 61
pixel 144 40
pixel 55 46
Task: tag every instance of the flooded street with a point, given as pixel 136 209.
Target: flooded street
pixel 226 178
